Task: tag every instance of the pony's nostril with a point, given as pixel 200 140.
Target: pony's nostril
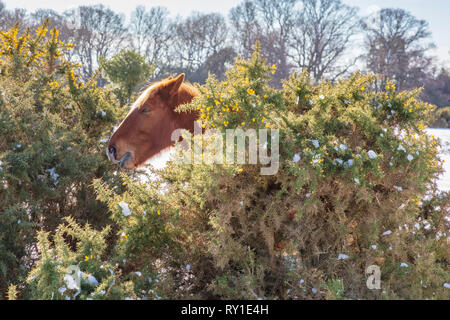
pixel 113 151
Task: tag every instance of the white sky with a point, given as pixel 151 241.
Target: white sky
pixel 435 12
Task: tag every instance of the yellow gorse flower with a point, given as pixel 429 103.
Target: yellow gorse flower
pixel 53 84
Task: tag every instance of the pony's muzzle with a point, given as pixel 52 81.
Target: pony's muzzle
pixel 111 152
pixel 124 159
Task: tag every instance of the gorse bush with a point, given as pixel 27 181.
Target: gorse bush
pixel 50 278
pixel 355 169
pixel 355 187
pixel 51 125
pixel 441 118
pixel 126 71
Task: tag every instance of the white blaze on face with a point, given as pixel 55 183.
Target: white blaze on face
pixel 143 97
pixel 139 101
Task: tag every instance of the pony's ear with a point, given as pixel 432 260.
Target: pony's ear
pixel 171 86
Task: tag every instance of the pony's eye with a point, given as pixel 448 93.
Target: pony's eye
pixel 145 110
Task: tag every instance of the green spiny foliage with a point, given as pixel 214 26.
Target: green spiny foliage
pixel 355 188
pixel 12 292
pixel 441 118
pixel 51 124
pixel 127 70
pixel 52 278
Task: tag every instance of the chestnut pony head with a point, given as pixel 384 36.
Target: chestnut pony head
pixel 148 127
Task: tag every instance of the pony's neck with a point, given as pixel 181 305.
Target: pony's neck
pixel 175 120
pixel 186 120
pixel 159 160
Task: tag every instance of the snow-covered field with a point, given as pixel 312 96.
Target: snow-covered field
pixel 444 153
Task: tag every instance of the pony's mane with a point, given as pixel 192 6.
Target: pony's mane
pixel 190 88
pixel 186 85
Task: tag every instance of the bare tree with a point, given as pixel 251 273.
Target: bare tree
pixel 245 27
pixel 9 19
pixel 321 37
pixel 138 29
pixel 3 15
pixel 437 89
pixel 198 37
pixel 396 48
pixel 96 32
pixel 278 22
pixel 55 21
pixel 151 33
pixel 270 22
pixel 219 62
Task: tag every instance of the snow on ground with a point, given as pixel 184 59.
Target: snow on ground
pixel 444 153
